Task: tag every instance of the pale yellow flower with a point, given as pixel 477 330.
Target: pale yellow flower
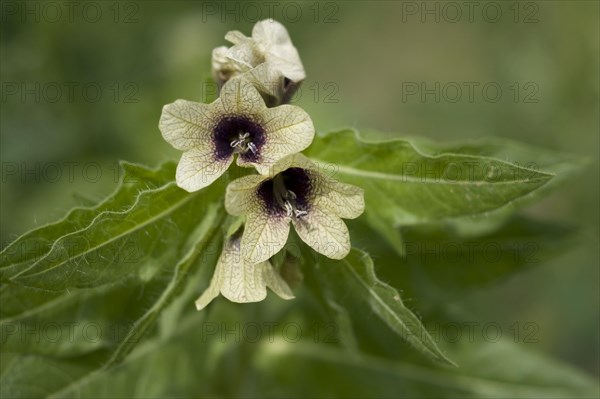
pixel 268 59
pixel 241 281
pixel 238 122
pixel 295 191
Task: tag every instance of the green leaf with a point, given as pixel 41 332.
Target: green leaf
pixel 408 185
pixel 156 368
pixel 117 301
pixel 185 364
pixel 562 165
pixel 390 233
pixel 414 181
pixel 483 375
pixel 455 264
pixel 353 281
pixel 36 376
pixel 199 246
pixel 37 243
pixel 139 237
pixel 43 246
pixel 559 163
pixel 332 311
pixel 113 245
pixel 503 369
pixel 443 261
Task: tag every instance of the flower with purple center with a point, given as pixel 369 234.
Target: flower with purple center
pixel 296 192
pixel 237 123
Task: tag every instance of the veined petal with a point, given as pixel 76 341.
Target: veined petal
pixel 186 124
pixel 235 37
pixel 240 194
pixel 270 43
pixel 325 233
pixel 246 282
pixel 242 281
pixel 270 32
pixel 275 282
pixel 289 130
pixel 274 41
pixel 222 66
pixel 219 58
pixel 245 55
pixel 288 62
pixel 266 79
pixel 240 97
pixel 344 200
pixel 198 168
pixel 213 289
pixel 297 160
pixel 263 236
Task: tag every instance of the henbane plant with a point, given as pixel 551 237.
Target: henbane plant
pixel 288 187
pixel 259 200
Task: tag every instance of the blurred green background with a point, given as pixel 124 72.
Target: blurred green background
pixel 82 90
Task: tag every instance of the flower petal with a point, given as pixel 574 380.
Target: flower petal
pixel 213 289
pixel 344 200
pixel 273 39
pixel 186 124
pixel 325 233
pixel 198 168
pixel 263 236
pixel 275 282
pixel 235 37
pixel 271 44
pixel 246 282
pixel 240 194
pixel 239 97
pixel 267 79
pixel 288 130
pixel 284 61
pixel 223 68
pixel 245 55
pixel 270 32
pixel 242 281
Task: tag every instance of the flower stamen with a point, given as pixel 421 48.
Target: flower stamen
pixel 289 209
pixel 243 144
pixel 286 199
pixel 252 147
pixel 298 213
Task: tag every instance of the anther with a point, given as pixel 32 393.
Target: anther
pixel 289 209
pixel 242 144
pixel 298 213
pixel 286 199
